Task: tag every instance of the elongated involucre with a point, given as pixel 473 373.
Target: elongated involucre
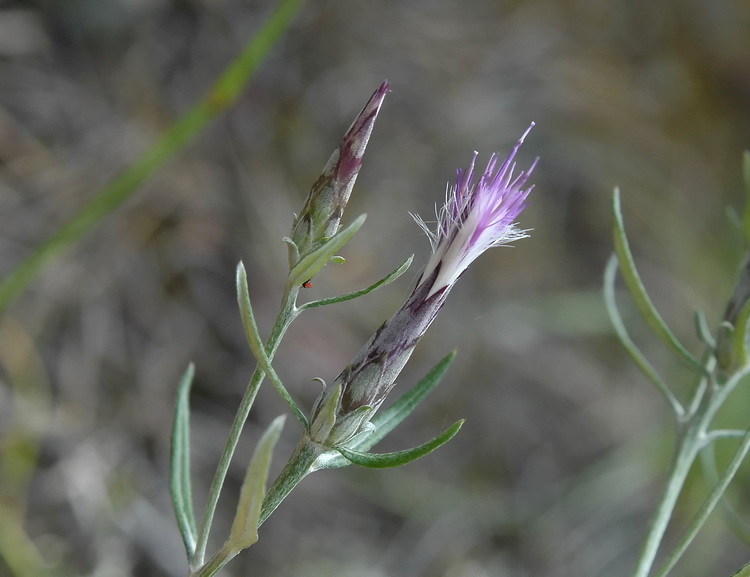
pixel 475 217
pixel 324 207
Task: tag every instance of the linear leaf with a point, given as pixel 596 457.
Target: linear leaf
pixel 732 517
pixel 635 354
pixel 390 418
pixel 702 330
pixel 389 278
pixel 244 530
pixel 638 292
pixel 708 506
pixel 310 264
pixel 398 458
pixel 179 464
pixel 256 345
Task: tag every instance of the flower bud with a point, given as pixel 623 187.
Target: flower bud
pixel 324 207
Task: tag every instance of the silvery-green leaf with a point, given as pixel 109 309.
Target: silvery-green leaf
pixel 398 458
pixel 179 464
pixel 390 418
pixel 638 292
pixel 699 519
pixel 244 530
pixel 702 330
pixel 734 519
pixel 389 278
pixel 258 348
pixel 630 347
pixel 311 264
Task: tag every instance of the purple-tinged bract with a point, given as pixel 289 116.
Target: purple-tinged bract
pixel 475 217
pixel 320 216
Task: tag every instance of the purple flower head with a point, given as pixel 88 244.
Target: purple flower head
pixel 476 216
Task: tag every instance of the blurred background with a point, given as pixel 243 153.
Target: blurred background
pixel 565 446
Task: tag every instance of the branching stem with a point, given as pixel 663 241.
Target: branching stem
pixel 286 315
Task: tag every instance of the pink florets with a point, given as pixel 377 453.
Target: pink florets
pixel 476 216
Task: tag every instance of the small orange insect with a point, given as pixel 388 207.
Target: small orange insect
pixel 307 283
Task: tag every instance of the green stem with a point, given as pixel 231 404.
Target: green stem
pixel 283 320
pixel 708 506
pixel 214 565
pixel 294 471
pixel 685 454
pixel 706 401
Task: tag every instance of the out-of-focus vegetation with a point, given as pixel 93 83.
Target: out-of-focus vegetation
pixel 559 462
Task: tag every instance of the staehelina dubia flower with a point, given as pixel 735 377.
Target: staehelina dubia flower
pixel 475 217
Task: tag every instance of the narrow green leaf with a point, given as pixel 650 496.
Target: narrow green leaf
pixel 256 343
pixel 179 464
pixel 638 292
pixel 745 570
pixel 636 355
pixel 391 417
pixel 389 278
pixel 702 330
pixel 244 530
pixel 398 458
pixel 746 212
pixel 221 95
pixel 708 506
pixel 733 518
pixel 720 434
pixel 311 263
pixel 387 420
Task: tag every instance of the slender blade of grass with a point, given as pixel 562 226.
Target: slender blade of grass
pixel 221 95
